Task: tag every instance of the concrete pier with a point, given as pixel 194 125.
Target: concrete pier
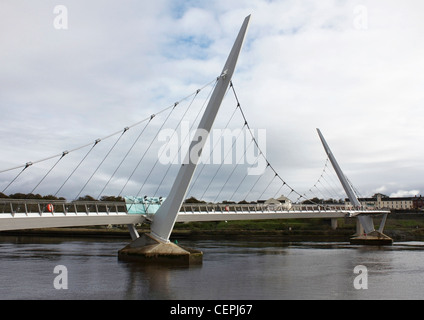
pixel 374 238
pixel 146 249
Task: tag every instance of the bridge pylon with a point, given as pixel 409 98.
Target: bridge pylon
pixel 156 247
pixel 365 230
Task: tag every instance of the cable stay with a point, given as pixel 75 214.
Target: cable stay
pixel 269 184
pixel 183 141
pixel 75 169
pixel 27 165
pixel 258 147
pixel 163 150
pixel 125 156
pixel 232 172
pixel 279 190
pixel 239 185
pixel 103 160
pixel 147 149
pixel 157 133
pixel 110 135
pixel 322 185
pixel 222 162
pixel 187 136
pixel 327 189
pixel 276 175
pixel 269 167
pixel 255 183
pixel 218 142
pixel 64 153
pixel 357 193
pixel 334 183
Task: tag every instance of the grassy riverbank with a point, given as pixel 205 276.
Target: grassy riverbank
pixel 401 227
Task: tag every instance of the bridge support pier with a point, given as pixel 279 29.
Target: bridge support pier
pixel 147 249
pixel 133 231
pixel 374 237
pixel 366 234
pixel 334 224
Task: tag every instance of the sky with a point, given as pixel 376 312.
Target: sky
pixel 353 69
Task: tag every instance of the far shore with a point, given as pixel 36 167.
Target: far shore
pixel 399 226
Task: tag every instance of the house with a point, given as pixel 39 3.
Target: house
pixel 281 202
pixel 381 201
pixel 418 202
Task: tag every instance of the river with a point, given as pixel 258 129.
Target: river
pixel 231 269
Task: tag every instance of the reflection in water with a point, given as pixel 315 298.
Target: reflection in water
pixel 148 281
pixel 230 270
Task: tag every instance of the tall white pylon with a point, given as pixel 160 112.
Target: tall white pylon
pixel 165 217
pixel 366 221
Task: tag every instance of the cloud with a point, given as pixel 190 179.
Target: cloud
pixel 405 193
pixel 304 65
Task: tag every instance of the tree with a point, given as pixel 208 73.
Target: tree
pixel 193 200
pixel 312 201
pixel 86 198
pixel 112 199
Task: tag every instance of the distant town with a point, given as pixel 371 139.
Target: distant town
pixel 381 201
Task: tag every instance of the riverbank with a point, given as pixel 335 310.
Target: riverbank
pixel 400 227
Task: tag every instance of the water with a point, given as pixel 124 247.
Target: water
pixel 232 269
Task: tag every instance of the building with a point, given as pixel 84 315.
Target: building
pixel 418 203
pixel 381 201
pixel 281 203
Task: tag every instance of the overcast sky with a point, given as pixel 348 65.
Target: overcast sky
pixel 354 69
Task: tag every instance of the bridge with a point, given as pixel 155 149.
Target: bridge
pixel 32 214
pixel 17 214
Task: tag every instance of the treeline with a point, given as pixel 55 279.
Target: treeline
pixel 323 201
pixel 195 200
pixel 309 201
pixel 31 196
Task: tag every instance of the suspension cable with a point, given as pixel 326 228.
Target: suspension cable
pixel 64 153
pixel 160 156
pixel 126 155
pixel 220 166
pixel 255 183
pixel 272 180
pixel 211 152
pixel 106 137
pixel 148 148
pixel 89 151
pixel 257 145
pixel 185 138
pixel 232 172
pixel 27 165
pixel 104 158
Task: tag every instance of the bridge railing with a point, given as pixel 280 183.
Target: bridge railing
pixel 18 206
pixel 255 208
pixel 24 206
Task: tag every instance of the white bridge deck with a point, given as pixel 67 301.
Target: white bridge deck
pixel 33 214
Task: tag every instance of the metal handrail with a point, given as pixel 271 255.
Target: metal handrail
pixel 253 208
pixel 59 206
pixel 63 206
